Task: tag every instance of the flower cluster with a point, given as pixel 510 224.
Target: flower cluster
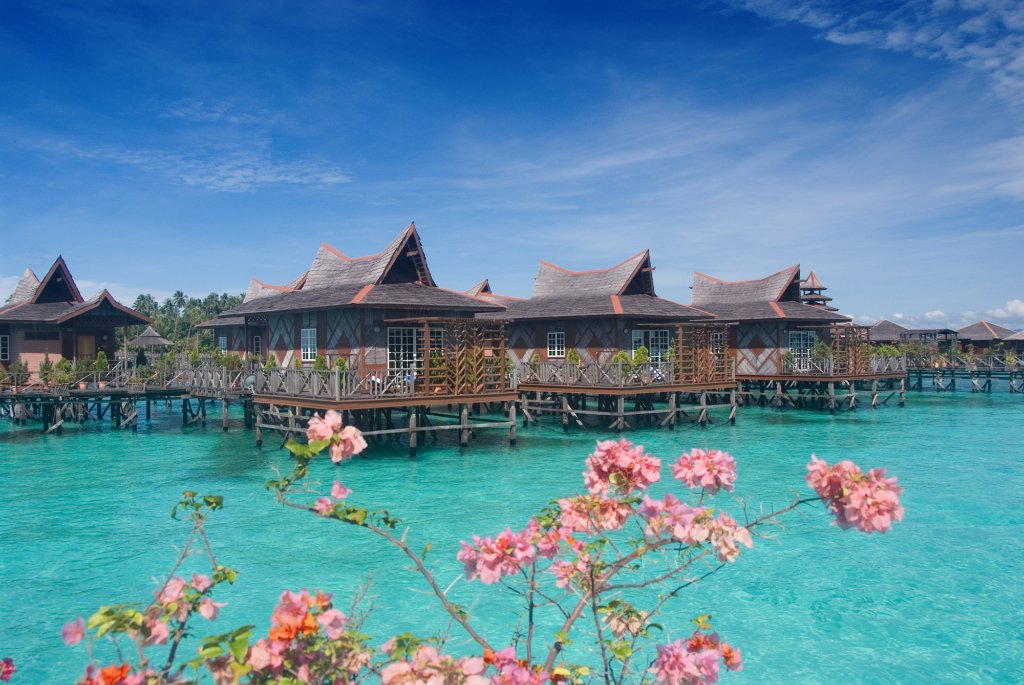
pixel 712 470
pixel 512 671
pixel 294 643
pixel 430 666
pixel 695 661
pixel 345 441
pixel 590 513
pixel 324 506
pixel 489 559
pixel 695 525
pixel 619 466
pixel 869 503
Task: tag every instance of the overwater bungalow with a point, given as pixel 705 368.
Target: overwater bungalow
pixel 789 337
pixel 606 333
pixel 49 317
pixel 367 333
pixel 982 335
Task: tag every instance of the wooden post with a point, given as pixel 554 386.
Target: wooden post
pixel 903 391
pixel 565 413
pixel 224 413
pixel 620 410
pixel 672 411
pixel 148 408
pixel 412 432
pixel 874 394
pixel 464 423
pixel 202 411
pixel 258 420
pixel 512 422
pixel 732 410
pixel 831 397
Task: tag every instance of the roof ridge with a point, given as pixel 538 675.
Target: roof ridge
pixel 593 271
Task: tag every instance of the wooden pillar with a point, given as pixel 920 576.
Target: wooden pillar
pixel 148 409
pixel 464 425
pixel 903 391
pixel 831 397
pixel 412 432
pixel 185 402
pixel 620 411
pixel 874 394
pixel 702 417
pixel 224 413
pixel 202 411
pixel 565 413
pixel 672 413
pixel 512 422
pixel 732 409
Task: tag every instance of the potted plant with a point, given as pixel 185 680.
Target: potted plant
pixel 63 373
pixel 46 369
pixel 83 369
pixel 341 364
pixel 102 365
pixel 270 363
pixel 573 357
pixel 18 373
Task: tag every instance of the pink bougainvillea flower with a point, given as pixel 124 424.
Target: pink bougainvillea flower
pixel 73 632
pixel 619 466
pixel 171 591
pixel 209 609
pixel 490 559
pixel 266 654
pixel 339 491
pixel 324 506
pixel 334 623
pixel 7 668
pixel 318 430
pixel 727 535
pixel 157 632
pixel 589 513
pixel 349 442
pixel 200 583
pixel 712 470
pixel 869 503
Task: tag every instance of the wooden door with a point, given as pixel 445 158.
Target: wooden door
pixel 85 347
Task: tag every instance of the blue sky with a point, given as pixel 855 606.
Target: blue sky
pixel 191 145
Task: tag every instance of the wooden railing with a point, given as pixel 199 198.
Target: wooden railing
pixel 999 363
pixel 612 375
pixel 827 367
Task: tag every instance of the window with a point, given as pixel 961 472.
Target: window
pixel 308 340
pixel 222 343
pixel 257 345
pixel 657 343
pixel 556 345
pixel 800 344
pixel 403 349
pixel 5 348
pixel 718 342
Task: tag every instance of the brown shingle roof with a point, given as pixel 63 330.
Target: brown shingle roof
pixel 888 331
pixel 984 331
pixel 632 276
pixel 25 290
pixel 708 289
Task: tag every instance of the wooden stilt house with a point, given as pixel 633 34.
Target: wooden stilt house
pixel 982 335
pixel 49 317
pixel 606 333
pixel 380 318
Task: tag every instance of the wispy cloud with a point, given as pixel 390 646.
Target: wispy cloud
pixel 1014 309
pixel 983 35
pixel 225 168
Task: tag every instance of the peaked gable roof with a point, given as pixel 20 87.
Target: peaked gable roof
pixel 57 285
pixel 402 261
pixel 258 288
pixel 888 331
pixel 631 277
pixel 984 330
pixel 26 288
pixel 710 290
pixel 481 288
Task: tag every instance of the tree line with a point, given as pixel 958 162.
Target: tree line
pixel 177 316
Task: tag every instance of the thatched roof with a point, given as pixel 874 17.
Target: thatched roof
pixel 396 278
pixel 624 290
pixel 984 331
pixel 150 338
pixel 56 299
pixel 776 296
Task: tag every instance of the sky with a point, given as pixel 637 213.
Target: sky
pixel 193 145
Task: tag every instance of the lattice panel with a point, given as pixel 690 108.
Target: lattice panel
pixel 597 340
pixel 282 337
pixel 703 353
pixel 851 349
pixel 342 330
pixel 758 349
pixel 465 357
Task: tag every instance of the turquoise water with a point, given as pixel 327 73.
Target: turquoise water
pixel 84 521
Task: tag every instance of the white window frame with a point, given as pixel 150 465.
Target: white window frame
pixel 5 348
pixel 800 344
pixel 718 342
pixel 403 349
pixel 257 345
pixel 222 343
pixel 556 344
pixel 307 344
pixel 656 340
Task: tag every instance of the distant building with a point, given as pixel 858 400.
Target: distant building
pixel 50 317
pixel 886 332
pixel 983 334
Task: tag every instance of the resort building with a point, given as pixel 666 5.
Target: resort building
pixel 49 317
pixel 788 337
pixel 606 333
pixel 887 332
pixel 982 335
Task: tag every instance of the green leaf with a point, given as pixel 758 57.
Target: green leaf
pixel 211 651
pixel 239 646
pixel 621 650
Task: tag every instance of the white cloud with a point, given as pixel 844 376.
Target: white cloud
pixel 983 35
pixel 218 167
pixel 936 315
pixel 1013 309
pixel 897 316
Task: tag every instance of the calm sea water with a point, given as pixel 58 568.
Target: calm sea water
pixel 84 521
